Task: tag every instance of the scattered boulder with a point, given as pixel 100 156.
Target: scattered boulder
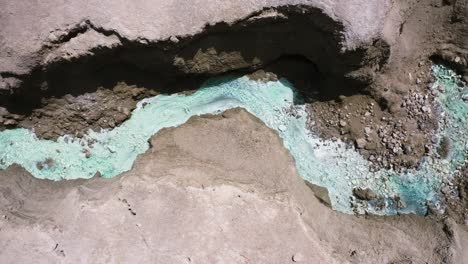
pixel 45 164
pixel 465 97
pixel 361 143
pixel 364 194
pixel 445 147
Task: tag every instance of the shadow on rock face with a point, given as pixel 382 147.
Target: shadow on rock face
pixel 299 42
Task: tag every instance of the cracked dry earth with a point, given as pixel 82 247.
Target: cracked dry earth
pixel 200 203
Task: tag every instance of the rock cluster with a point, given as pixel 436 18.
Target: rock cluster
pixel 394 134
pixel 417 105
pixel 455 195
pixel 386 140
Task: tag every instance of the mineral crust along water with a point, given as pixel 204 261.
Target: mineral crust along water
pixel 330 164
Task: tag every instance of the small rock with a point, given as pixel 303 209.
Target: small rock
pixel 407 150
pixel 465 97
pixel 3 111
pixel 446 190
pixel 426 109
pixel 174 39
pixel 87 153
pixel 457 59
pixel 46 164
pixel 282 128
pixel 10 122
pixel 111 149
pixel 364 194
pixel 367 130
pixel 399 203
pixel 39 165
pixel 342 123
pixel 298 257
pixel 427 148
pixel 445 147
pixel 361 143
pixel 142 41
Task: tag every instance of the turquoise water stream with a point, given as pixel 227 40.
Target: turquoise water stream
pixel 325 163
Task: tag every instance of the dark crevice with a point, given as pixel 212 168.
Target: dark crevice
pixel 449 63
pixel 12 75
pixel 72 33
pixel 301 44
pixel 311 82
